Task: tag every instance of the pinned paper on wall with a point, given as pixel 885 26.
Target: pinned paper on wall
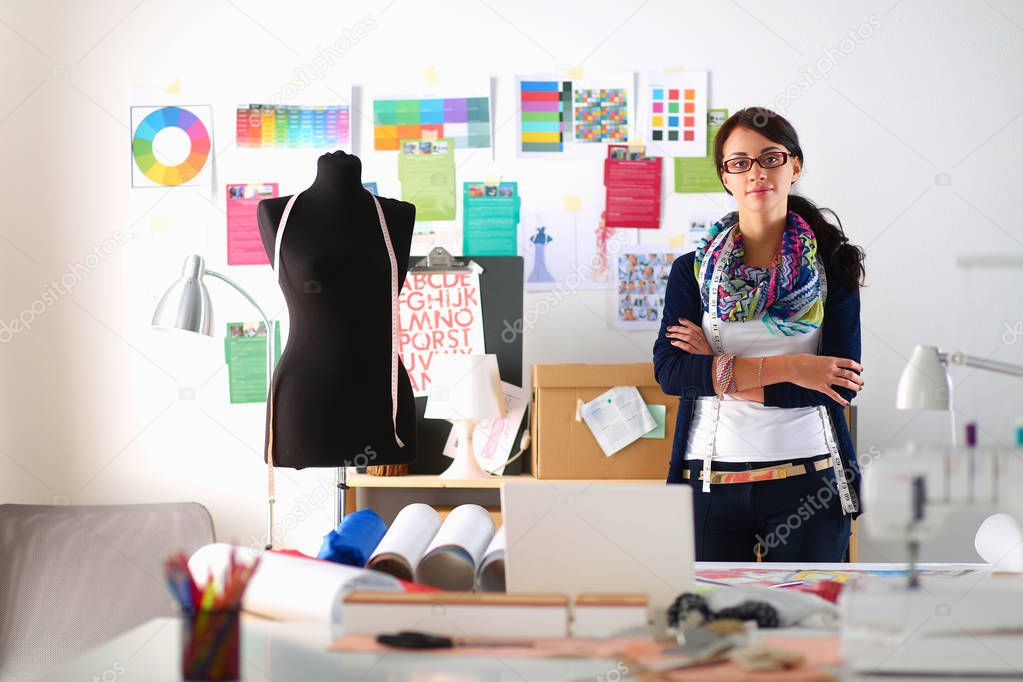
pixel 632 183
pixel 642 280
pixel 438 313
pixel 570 251
pixel 460 113
pixel 171 146
pixel 495 440
pixel 271 126
pixel 573 118
pixel 617 418
pixel 675 113
pixel 244 244
pixel 698 174
pixel 245 354
pixel 490 218
pixel 699 225
pixel 426 169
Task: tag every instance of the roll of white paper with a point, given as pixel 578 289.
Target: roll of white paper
pixel 451 559
pixel 406 541
pixel 291 588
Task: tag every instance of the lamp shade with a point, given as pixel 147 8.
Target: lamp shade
pixel 924 384
pixel 464 387
pixel 186 305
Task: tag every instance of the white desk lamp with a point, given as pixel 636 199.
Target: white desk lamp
pixel 187 307
pixel 925 383
pixel 465 389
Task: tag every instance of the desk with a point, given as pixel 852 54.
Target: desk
pixel 282 652
pixel 296 652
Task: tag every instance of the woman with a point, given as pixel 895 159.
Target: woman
pixel 760 337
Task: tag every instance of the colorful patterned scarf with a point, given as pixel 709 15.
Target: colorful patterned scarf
pixel 786 295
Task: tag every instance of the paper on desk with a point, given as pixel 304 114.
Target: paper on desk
pixel 490 575
pixel 494 439
pixel 451 559
pixel 618 417
pixel 406 541
pixel 291 588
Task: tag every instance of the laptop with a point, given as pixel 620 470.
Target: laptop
pixel 589 536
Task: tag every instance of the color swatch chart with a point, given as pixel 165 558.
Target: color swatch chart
pixel 601 115
pixel 465 120
pixel 266 125
pixel 545 108
pixel 672 114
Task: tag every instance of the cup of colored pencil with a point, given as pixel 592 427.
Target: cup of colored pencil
pixel 210 618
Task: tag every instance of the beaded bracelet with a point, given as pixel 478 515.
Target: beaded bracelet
pixel 726 373
pixel 760 371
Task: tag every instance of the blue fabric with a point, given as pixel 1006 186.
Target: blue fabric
pixel 792 519
pixel 689 376
pixel 355 539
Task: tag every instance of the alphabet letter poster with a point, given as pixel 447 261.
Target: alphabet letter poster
pixel 438 312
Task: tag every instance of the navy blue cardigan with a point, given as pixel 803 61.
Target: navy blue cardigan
pixel 689 376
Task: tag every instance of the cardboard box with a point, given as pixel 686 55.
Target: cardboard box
pixel 564 446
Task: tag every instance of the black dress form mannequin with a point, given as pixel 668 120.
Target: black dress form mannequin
pixel 332 387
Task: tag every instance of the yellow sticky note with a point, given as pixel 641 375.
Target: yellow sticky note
pixel 677 241
pixel 430 135
pixel 492 180
pixel 576 72
pixel 431 75
pixel 674 69
pixel 573 203
pixel 174 87
pixel 158 225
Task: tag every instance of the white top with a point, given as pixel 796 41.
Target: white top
pixel 748 431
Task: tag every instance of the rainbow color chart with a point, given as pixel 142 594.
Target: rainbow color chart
pixel 601 115
pixel 672 114
pixel 545 110
pixel 288 126
pixel 466 120
pixel 153 161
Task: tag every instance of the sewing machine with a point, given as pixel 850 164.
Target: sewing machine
pixel 967 625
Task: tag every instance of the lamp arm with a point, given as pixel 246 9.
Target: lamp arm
pixel 269 379
pixel 957 358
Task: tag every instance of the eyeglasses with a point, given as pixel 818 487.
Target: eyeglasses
pixel 742 164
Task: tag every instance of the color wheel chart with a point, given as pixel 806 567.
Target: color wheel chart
pixel 675 114
pixel 170 145
pixel 292 127
pixel 545 115
pixel 466 120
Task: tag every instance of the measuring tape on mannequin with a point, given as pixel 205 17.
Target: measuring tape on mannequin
pixel 844 493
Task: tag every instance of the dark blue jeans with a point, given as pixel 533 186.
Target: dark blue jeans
pixel 791 519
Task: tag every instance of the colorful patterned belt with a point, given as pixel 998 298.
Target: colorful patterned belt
pixel 763 474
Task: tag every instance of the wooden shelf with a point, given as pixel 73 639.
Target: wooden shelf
pixel 428 481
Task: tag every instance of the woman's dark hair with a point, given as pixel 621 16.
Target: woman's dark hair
pixel 834 247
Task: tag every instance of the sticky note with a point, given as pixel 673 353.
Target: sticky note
pixel 158 225
pixel 430 135
pixel 492 180
pixel 576 72
pixel 431 75
pixel 573 203
pixel 659 413
pixel 174 87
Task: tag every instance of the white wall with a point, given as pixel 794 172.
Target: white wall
pixel 92 408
